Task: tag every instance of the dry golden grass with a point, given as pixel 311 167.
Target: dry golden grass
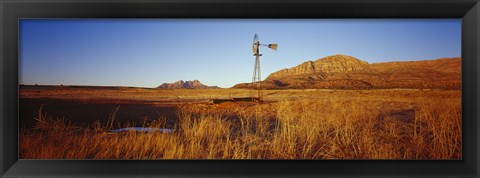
pixel 327 124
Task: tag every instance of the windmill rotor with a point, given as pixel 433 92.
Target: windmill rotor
pixel 256 79
pixel 255 44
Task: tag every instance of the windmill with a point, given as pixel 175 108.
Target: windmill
pixel 256 79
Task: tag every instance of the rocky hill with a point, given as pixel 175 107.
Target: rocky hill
pixel 195 84
pixel 347 72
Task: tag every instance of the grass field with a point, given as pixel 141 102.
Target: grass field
pixel 290 124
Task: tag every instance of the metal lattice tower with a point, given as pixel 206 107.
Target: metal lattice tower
pixel 256 79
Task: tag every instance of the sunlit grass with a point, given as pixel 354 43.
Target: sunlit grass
pixel 339 126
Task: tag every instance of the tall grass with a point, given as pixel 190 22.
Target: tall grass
pixel 332 128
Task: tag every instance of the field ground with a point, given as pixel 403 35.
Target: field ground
pixel 75 123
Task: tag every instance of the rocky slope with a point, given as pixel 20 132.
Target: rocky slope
pixel 195 84
pixel 347 72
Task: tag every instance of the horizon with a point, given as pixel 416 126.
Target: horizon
pixel 125 53
pixel 74 85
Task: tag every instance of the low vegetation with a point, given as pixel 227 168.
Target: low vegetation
pixel 343 125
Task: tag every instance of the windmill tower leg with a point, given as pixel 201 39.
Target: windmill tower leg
pixel 259 80
pixel 256 79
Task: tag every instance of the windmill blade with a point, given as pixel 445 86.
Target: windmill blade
pixel 273 46
pixel 255 44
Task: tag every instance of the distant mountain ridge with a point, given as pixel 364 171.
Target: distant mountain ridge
pixel 195 84
pixel 330 64
pixel 347 72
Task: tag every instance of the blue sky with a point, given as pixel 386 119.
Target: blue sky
pixel 149 52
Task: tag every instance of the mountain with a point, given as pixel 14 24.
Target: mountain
pixel 195 84
pixel 347 72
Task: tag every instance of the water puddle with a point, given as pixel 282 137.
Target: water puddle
pixel 142 129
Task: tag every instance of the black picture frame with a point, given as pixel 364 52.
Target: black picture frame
pixel 11 11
